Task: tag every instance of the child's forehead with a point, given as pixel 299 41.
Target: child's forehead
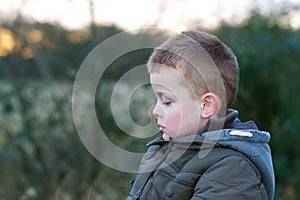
pixel 168 80
pixel 167 76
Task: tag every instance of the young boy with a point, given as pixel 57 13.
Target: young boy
pixel 205 151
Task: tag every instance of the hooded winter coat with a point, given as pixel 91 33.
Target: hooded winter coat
pixel 233 162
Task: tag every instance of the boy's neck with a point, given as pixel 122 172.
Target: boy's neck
pixel 214 124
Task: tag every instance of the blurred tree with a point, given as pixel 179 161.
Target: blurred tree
pixel 45 51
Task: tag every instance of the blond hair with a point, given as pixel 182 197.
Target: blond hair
pixel 207 64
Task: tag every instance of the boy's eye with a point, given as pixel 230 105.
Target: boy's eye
pixel 166 103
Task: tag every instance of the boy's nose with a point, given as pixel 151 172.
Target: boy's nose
pixel 157 111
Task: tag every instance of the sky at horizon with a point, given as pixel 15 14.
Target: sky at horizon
pixel 134 14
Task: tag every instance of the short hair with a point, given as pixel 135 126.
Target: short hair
pixel 207 64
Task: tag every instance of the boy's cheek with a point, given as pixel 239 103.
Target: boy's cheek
pixel 174 119
pixel 173 123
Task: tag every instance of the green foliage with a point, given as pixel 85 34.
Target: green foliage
pixel 41 156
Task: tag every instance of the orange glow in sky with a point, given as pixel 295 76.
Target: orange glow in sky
pixel 7 41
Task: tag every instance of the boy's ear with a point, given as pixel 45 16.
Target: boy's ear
pixel 209 105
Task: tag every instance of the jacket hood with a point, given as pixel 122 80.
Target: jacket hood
pixel 247 139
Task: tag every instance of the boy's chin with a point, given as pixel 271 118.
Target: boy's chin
pixel 166 137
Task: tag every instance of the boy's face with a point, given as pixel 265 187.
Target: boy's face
pixel 177 113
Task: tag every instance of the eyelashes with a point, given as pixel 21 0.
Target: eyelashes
pixel 166 103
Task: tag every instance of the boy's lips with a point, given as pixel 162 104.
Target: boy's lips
pixel 165 135
pixel 161 128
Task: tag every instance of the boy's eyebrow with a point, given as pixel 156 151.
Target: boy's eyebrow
pixel 159 93
pixel 166 94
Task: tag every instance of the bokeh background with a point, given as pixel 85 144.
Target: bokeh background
pixel 43 43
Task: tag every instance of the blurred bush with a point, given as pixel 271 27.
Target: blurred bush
pixel 41 155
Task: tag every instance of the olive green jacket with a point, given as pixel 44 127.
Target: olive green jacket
pixel 176 170
pixel 233 162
